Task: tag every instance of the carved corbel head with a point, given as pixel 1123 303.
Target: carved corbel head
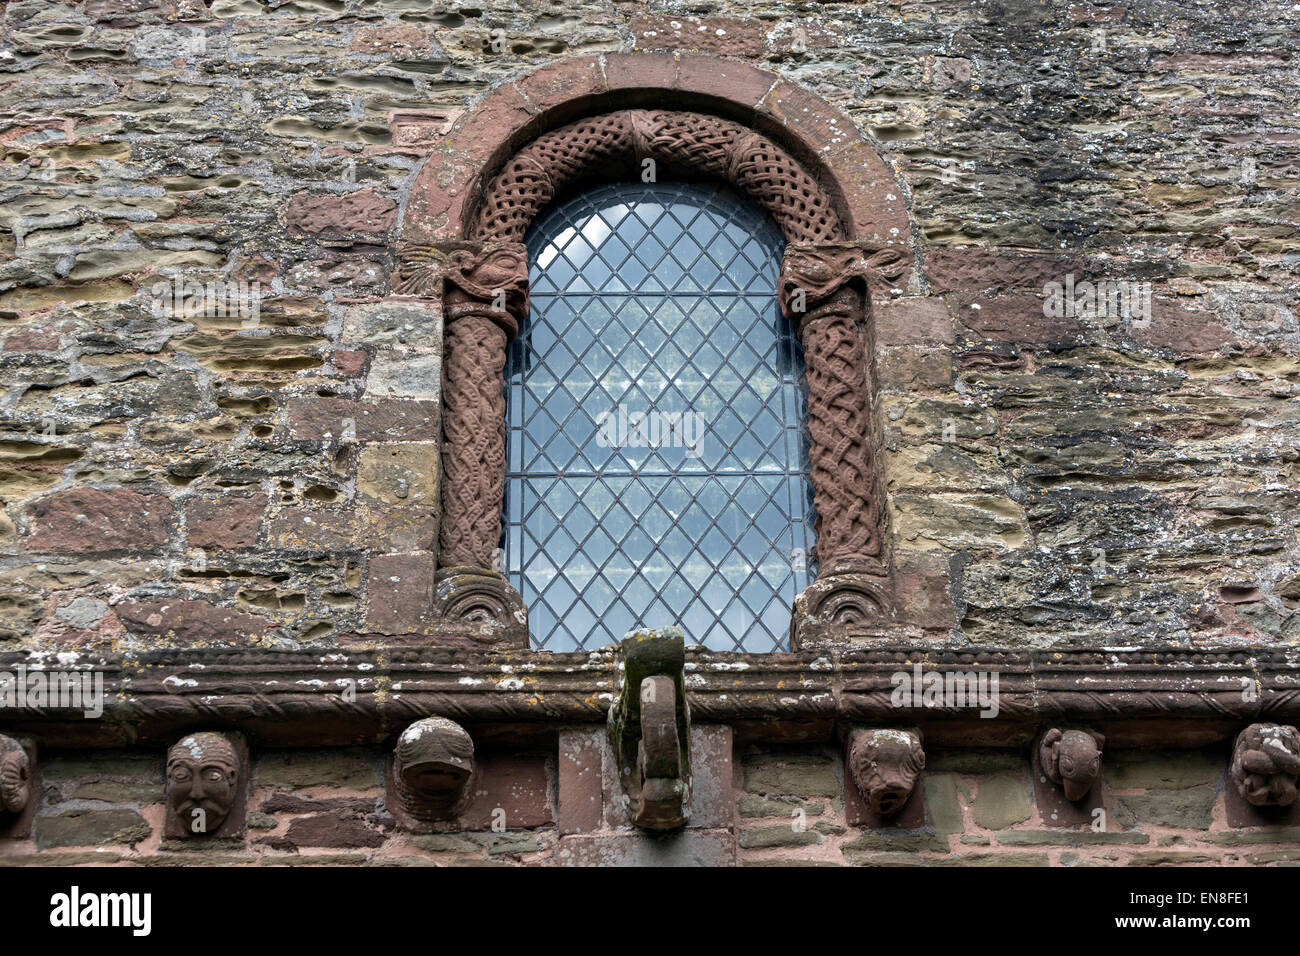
pixel 1072 759
pixel 15 775
pixel 206 774
pixel 885 765
pixel 433 764
pixel 1266 764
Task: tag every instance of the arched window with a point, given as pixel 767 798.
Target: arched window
pixel 657 455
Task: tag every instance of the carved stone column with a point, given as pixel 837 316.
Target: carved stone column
pixel 485 298
pixel 823 291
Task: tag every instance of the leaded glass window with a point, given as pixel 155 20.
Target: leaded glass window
pixel 657 464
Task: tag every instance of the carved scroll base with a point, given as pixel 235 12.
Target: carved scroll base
pixel 479 608
pixel 842 606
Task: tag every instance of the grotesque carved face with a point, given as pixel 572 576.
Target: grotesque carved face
pixel 885 765
pixel 202 777
pixel 1072 758
pixel 1266 763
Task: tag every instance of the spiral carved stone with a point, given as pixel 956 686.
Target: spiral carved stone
pixel 842 603
pixel 482 605
pixel 15 775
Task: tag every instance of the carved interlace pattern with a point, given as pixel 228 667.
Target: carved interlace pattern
pixel 844 484
pixel 822 290
pixel 474 440
pixel 704 145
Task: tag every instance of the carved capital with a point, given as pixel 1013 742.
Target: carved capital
pixel 1266 764
pixel 481 606
pixel 1071 759
pixel 650 729
pixel 846 601
pixel 489 279
pixel 885 765
pixel 430 773
pixel 815 276
pixel 207 786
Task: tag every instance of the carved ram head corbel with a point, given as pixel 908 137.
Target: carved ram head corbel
pixel 1266 764
pixel 16 771
pixel 1071 759
pixel 885 765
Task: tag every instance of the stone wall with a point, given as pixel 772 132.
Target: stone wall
pixel 172 478
pixel 190 480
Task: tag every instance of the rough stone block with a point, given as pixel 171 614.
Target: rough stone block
pixel 683 848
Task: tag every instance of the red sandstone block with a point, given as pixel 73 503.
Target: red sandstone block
pixel 390 528
pixel 1016 318
pixel 86 520
pixel 570 82
pixel 1186 331
pixel 391 38
pixel 640 71
pixel 340 829
pixel 735 82
pixel 225 523
pixel 32 340
pixel 683 848
pixel 312 528
pixel 712 801
pixel 399 595
pixel 421 128
pixel 580 793
pixel 190 622
pixel 974 270
pixel 912 320
pixel 395 419
pixel 921 591
pixel 349 362
pixel 509 790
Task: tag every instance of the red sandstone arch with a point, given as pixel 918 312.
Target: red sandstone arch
pixel 860 185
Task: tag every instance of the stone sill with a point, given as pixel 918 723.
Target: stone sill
pixel 1138 696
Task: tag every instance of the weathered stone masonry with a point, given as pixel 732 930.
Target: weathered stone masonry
pixel 237 523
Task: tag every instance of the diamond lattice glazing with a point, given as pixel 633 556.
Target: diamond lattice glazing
pixel 657 466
